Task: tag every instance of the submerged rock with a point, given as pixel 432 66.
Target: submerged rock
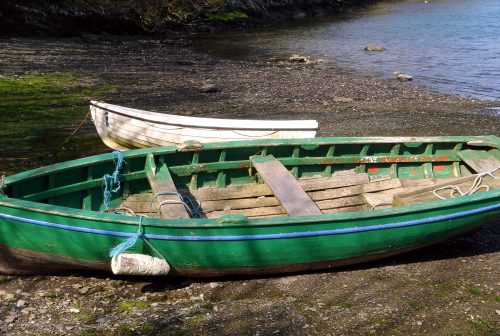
pixel 371 47
pixel 402 77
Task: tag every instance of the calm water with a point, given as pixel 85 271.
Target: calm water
pixel 450 45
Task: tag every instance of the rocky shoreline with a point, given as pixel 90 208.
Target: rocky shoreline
pixel 448 288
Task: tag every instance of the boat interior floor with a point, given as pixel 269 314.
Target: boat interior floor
pixel 281 194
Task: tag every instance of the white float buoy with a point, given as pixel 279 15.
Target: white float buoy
pixel 128 263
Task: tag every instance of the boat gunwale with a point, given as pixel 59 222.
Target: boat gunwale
pixel 42 171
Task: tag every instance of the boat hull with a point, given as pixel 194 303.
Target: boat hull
pixel 123 128
pixel 25 262
pixel 54 218
pixel 242 250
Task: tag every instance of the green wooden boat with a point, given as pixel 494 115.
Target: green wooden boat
pixel 253 207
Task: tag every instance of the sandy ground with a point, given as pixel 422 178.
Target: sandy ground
pixel 451 288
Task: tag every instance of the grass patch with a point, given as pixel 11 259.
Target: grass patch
pixel 414 304
pixel 35 107
pixel 474 291
pixel 85 316
pixel 127 306
pixel 479 325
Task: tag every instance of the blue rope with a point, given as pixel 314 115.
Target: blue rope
pixel 129 242
pixel 111 183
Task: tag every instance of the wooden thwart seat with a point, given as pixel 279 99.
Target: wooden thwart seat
pixel 480 161
pixel 161 181
pixel 284 186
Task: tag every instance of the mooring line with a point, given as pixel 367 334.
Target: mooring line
pixel 57 148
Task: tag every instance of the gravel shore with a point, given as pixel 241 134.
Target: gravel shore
pixel 451 288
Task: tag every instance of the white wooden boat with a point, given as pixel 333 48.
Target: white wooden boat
pixel 123 128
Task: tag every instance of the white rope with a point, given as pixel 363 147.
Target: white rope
pixel 474 188
pixel 171 202
pixel 380 204
pixel 126 209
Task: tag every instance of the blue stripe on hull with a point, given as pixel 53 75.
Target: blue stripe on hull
pixel 257 237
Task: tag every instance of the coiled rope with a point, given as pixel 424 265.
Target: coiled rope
pixel 474 188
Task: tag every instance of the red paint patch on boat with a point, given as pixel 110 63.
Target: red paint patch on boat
pixel 373 170
pixel 438 168
pixel 414 172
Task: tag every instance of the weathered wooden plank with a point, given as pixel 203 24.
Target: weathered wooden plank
pixel 355 190
pixel 230 192
pixel 251 212
pixel 426 194
pixel 346 209
pixel 139 198
pixel 415 184
pixel 378 201
pixel 256 190
pixel 267 211
pixel 239 204
pixel 171 205
pixel 138 206
pixel 284 186
pixel 333 182
pixel 341 202
pixel 480 161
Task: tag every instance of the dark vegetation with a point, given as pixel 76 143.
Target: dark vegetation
pixel 67 18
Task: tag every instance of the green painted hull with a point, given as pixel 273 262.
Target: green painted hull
pixel 52 218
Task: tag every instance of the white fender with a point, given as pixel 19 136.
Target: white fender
pixel 127 263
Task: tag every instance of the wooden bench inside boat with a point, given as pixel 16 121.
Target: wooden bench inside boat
pixel 285 188
pixel 479 161
pixel 167 198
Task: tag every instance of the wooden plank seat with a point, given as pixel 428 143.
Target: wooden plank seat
pixel 170 205
pixel 285 188
pixel 479 161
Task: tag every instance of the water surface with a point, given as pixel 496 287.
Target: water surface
pixel 449 45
